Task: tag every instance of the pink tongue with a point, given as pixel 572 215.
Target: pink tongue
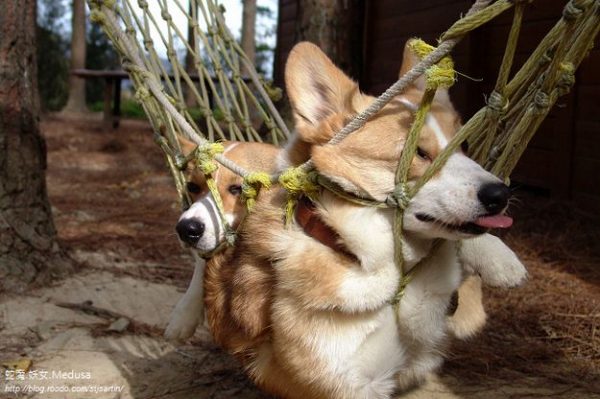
pixel 495 222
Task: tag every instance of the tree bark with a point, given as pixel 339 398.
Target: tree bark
pixel 336 26
pixel 76 102
pixel 28 249
pixel 249 30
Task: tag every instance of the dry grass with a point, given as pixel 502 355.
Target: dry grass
pixel 549 328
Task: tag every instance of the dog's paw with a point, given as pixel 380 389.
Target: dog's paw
pixel 497 264
pixel 184 320
pixel 469 317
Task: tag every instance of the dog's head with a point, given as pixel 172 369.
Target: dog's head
pixel 200 226
pixel 460 201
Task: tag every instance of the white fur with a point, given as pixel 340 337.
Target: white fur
pixel 189 311
pixel 489 257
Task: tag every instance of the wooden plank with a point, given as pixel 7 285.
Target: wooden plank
pixel 387 8
pixel 436 19
pixel 531 35
pixel 589 70
pixel 538 10
pixel 587 139
pixel 586 176
pixel 588 103
pixel 535 168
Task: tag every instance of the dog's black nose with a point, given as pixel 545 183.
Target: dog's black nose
pixel 494 196
pixel 190 230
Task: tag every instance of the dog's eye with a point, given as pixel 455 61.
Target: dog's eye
pixel 193 188
pixel 464 146
pixel 235 189
pixel 421 153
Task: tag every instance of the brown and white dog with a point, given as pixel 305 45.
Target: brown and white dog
pixel 326 328
pixel 201 227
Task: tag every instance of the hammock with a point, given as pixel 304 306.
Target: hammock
pixel 498 133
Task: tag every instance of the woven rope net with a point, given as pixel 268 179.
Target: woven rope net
pixel 217 93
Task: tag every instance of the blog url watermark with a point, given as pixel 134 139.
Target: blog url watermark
pixel 42 389
pixel 21 382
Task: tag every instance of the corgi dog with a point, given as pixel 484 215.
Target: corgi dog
pixel 201 227
pixel 327 279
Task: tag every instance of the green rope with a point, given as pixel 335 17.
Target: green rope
pixel 251 186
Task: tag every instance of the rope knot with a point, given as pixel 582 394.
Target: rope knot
pixel 141 94
pixel 166 16
pixel 98 17
pixel 441 74
pixel 230 237
pixel 567 78
pixel 143 4
pixel 205 157
pixel 251 186
pixel 398 198
pixel 541 100
pixel 571 11
pixel 297 181
pixel 497 103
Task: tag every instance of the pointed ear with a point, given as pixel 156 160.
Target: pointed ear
pixel 409 60
pixel 186 145
pixel 316 88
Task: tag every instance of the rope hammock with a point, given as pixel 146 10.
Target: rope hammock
pixel 497 134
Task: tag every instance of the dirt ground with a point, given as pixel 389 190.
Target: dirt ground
pixel 115 210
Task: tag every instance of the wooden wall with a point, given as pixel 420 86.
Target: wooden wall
pixel 564 156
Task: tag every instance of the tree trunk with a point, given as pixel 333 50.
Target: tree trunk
pixel 336 26
pixel 28 248
pixel 76 102
pixel 190 68
pixel 249 30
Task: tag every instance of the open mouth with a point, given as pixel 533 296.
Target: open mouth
pixel 478 226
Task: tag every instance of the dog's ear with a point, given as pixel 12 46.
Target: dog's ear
pixel 186 145
pixel 409 60
pixel 317 89
pixel 339 163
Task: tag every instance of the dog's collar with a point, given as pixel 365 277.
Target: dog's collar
pixel 308 218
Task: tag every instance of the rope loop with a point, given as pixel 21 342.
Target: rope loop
pixel 441 74
pixel 251 186
pixel 205 157
pixel 399 198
